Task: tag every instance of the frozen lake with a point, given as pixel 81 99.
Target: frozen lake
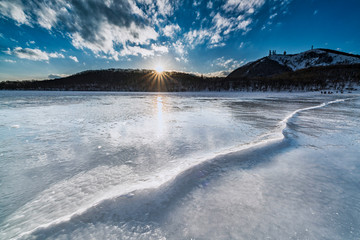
pixel 86 165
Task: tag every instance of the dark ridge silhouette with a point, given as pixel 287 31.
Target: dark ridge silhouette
pixel 120 80
pixel 263 67
pixel 266 74
pixel 336 77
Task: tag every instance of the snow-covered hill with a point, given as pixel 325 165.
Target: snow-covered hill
pixel 315 58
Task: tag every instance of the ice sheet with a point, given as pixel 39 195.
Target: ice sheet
pixel 200 165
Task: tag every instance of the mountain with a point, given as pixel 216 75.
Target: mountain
pixel 312 70
pixel 263 67
pixel 120 80
pixel 315 58
pixel 281 63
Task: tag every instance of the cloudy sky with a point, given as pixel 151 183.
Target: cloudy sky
pixel 48 38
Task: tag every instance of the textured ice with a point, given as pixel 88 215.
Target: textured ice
pixel 179 166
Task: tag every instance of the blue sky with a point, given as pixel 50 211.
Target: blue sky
pixel 42 39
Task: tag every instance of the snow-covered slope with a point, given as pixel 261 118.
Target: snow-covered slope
pixel 314 58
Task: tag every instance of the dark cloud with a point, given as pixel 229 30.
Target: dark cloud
pixel 84 17
pixel 27 51
pixel 88 15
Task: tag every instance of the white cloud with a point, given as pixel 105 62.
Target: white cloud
pixel 54 76
pixel 9 61
pixel 228 25
pixel 243 25
pixel 180 50
pixel 273 15
pixel 137 51
pixel 215 45
pixel 144 52
pixel 74 58
pixel 228 64
pixel 171 29
pixel 242 5
pixel 251 11
pixel 14 40
pixel 160 49
pixel 217 74
pixel 33 54
pixel 164 7
pixel 196 37
pixel 238 17
pixel 196 3
pixel 215 38
pixel 14 10
pixel 56 55
pixel 223 26
pixel 211 74
pixel 198 15
pixel 114 29
pixel 46 17
pixel 110 35
pixel 99 26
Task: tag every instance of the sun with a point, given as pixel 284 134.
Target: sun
pixel 159 69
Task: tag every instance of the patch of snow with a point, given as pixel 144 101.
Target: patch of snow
pixel 312 58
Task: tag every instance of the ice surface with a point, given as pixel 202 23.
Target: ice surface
pixel 179 166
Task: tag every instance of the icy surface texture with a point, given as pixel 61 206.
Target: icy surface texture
pixel 179 166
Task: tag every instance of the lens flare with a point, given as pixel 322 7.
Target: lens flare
pixel 159 69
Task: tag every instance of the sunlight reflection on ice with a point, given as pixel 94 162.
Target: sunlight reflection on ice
pixel 160 121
